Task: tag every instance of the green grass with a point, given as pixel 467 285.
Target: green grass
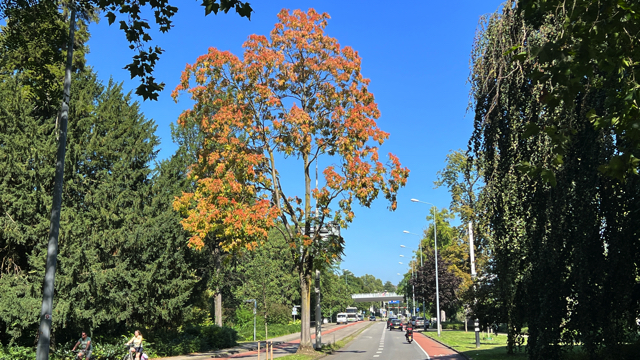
pixel 494 348
pixel 298 357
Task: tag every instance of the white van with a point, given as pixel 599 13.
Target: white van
pixel 341 318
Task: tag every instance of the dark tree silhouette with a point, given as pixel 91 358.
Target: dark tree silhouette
pixel 425 282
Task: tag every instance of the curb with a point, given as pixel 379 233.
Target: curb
pixel 447 346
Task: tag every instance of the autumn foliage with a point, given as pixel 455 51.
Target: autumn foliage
pixel 293 97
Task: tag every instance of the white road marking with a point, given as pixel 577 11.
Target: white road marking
pixel 416 343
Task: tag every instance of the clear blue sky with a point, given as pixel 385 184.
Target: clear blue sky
pixel 416 54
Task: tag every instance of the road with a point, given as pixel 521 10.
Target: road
pixel 379 343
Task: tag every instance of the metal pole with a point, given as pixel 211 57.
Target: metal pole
pixel 44 333
pixel 414 292
pixel 421 265
pixel 318 313
pixel 435 242
pixel 476 322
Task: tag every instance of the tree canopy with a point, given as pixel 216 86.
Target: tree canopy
pixel 298 95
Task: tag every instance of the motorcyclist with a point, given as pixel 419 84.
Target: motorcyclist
pixel 409 330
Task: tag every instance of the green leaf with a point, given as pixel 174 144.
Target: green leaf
pixel 530 130
pixel 111 17
pixel 548 176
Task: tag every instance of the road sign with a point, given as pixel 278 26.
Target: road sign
pixel 294 311
pixel 394 302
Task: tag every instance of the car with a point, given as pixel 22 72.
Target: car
pixel 360 317
pixel 372 318
pixel 395 324
pixel 417 322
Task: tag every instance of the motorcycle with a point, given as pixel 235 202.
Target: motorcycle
pixel 409 338
pixel 409 335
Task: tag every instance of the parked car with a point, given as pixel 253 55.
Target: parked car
pixel 342 318
pixel 360 317
pixel 417 322
pixel 395 324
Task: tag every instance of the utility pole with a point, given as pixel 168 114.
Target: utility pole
pixel 44 332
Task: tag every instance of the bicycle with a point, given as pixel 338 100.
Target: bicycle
pixel 130 355
pixel 76 354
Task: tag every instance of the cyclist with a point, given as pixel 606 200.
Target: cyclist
pixel 136 340
pixel 85 346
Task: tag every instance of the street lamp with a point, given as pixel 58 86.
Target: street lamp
pixel 344 271
pixel 420 245
pixel 421 263
pixel 435 245
pixel 413 286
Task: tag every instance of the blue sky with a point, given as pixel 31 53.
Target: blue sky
pixel 417 57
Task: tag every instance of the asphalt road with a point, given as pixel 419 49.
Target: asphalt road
pixel 379 343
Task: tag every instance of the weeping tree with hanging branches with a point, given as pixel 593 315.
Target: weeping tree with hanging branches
pixel 563 234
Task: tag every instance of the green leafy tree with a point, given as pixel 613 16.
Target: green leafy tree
pixel 122 255
pixel 269 277
pixel 335 294
pixel 388 286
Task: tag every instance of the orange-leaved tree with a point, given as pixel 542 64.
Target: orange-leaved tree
pixel 295 96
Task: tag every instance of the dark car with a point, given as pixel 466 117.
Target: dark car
pixel 389 322
pixel 372 318
pixel 395 324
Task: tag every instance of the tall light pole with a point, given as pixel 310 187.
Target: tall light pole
pixel 435 245
pixel 344 271
pixel 413 286
pixel 421 265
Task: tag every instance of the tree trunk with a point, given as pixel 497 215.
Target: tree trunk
pixel 44 333
pixel 305 315
pixel 218 314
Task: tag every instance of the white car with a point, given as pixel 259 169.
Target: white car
pixel 341 318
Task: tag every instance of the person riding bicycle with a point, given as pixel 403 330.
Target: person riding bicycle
pixel 85 346
pixel 136 340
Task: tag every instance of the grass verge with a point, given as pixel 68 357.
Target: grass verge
pixel 494 348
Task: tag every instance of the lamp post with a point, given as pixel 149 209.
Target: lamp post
pixel 413 286
pixel 435 245
pixel 344 271
pixel 421 265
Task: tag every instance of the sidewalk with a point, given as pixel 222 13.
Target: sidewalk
pixel 282 345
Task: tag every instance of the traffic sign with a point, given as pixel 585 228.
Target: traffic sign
pixel 394 302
